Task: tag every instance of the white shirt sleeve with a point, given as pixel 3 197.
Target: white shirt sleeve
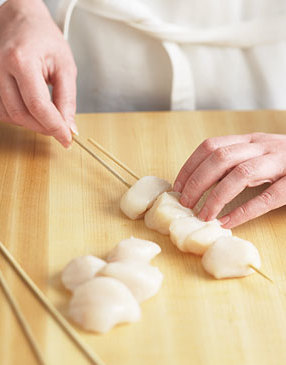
pixel 2 2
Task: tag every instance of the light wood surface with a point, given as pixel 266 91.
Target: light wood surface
pixel 57 204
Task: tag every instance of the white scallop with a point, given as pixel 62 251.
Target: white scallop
pixel 165 209
pixel 190 234
pixel 81 269
pixel 134 249
pixel 230 257
pixel 143 280
pixel 142 195
pixel 101 303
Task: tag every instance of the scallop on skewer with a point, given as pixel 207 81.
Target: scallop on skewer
pixel 230 257
pixel 142 195
pixel 165 209
pixel 190 234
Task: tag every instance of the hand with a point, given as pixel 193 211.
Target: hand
pixel 34 54
pixel 235 162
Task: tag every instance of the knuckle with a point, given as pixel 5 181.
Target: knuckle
pixel 244 171
pixel 193 184
pixel 222 154
pixel 208 145
pixel 267 198
pixel 242 211
pixel 16 57
pixel 36 105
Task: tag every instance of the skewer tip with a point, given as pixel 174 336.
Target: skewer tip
pixel 261 273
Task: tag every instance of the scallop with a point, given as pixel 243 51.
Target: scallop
pixel 134 249
pixel 190 234
pixel 165 209
pixel 143 280
pixel 230 257
pixel 101 303
pixel 142 195
pixel 80 270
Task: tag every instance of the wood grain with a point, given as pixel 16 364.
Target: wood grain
pixel 57 204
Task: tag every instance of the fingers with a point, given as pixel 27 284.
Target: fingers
pixel 202 152
pixel 64 94
pixel 14 107
pixel 35 94
pixel 215 167
pixel 262 168
pixel 272 198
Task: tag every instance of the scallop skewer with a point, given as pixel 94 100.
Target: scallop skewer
pixel 127 169
pixel 22 321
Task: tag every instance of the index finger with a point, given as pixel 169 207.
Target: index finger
pixel 36 97
pixel 202 152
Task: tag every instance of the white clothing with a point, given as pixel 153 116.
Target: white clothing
pixel 178 54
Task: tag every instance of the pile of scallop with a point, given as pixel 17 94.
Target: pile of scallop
pixel 108 292
pixel 223 255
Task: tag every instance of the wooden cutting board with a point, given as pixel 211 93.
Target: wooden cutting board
pixel 57 204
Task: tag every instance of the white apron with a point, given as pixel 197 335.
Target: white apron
pixel 177 54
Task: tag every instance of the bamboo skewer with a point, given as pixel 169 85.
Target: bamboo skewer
pixel 260 273
pixel 22 321
pixel 93 358
pixel 113 172
pixel 113 158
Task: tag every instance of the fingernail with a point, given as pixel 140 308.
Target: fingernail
pixel 185 201
pixel 203 214
pixel 224 220
pixel 74 129
pixel 177 187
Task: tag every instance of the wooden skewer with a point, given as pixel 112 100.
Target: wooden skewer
pixel 260 273
pixel 93 358
pixel 113 172
pixel 22 321
pixel 113 158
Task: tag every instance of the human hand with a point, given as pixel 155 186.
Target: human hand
pixel 235 162
pixel 34 54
